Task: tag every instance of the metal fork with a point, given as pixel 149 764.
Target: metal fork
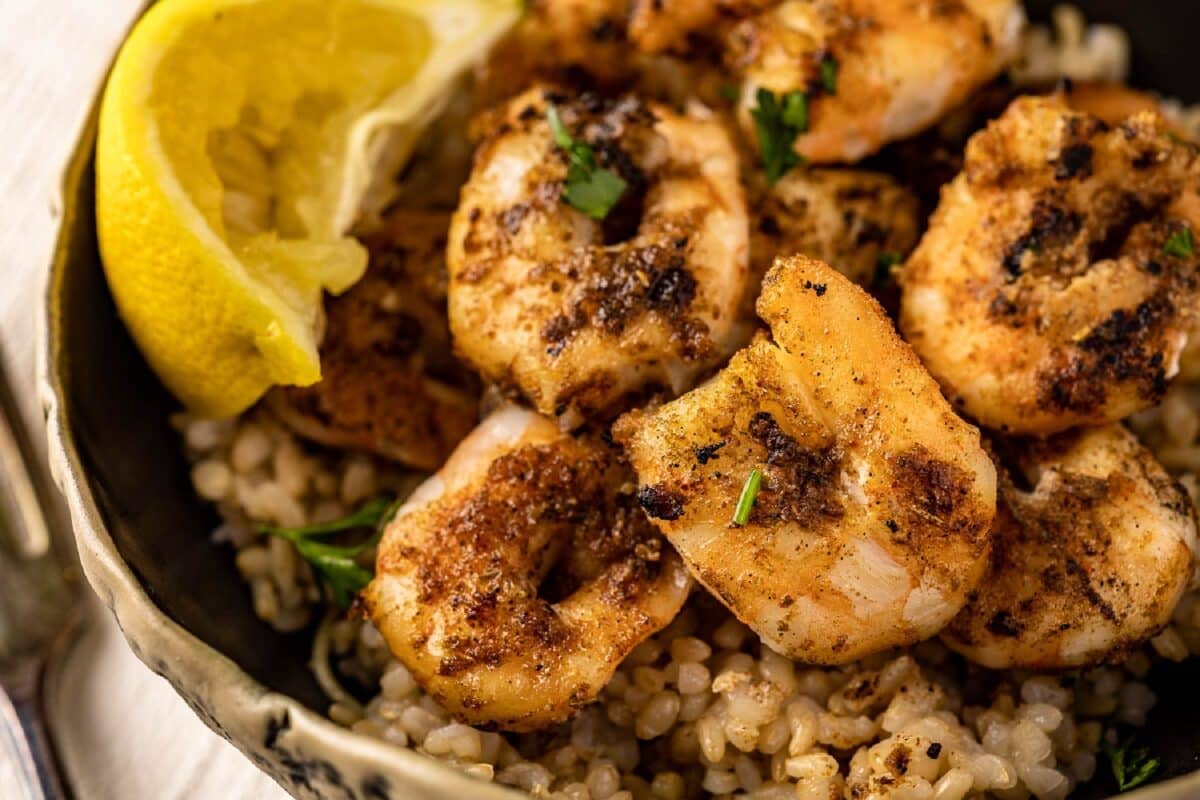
pixel 39 609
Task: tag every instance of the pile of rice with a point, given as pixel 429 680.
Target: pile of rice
pixel 703 707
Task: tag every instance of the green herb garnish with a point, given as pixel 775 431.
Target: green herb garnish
pixel 883 267
pixel 745 504
pixel 829 74
pixel 730 92
pixel 589 188
pixel 1180 243
pixel 778 122
pixel 339 565
pixel 1131 766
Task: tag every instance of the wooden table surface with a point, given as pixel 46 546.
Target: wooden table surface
pixel 124 732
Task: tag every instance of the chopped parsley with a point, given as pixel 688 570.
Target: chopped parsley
pixel 729 92
pixel 1131 766
pixel 778 121
pixel 589 188
pixel 338 565
pixel 745 503
pixel 883 267
pixel 1180 243
pixel 829 74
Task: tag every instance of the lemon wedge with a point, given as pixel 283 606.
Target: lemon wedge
pixel 237 138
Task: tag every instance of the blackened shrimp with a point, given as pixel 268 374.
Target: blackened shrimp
pixel 389 382
pixel 1094 546
pixel 560 40
pixel 577 313
pixel 656 26
pixel 852 219
pixel 871 524
pixel 1113 102
pixel 874 71
pixel 612 46
pixel 513 582
pixel 1057 282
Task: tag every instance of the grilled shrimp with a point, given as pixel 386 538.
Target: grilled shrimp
pixel 1113 102
pixel 1057 281
pixel 849 219
pixel 897 65
pixel 1094 545
pixel 557 40
pixel 389 382
pixel 576 313
pixel 514 581
pixel 871 524
pixel 597 45
pixel 659 25
pixel 656 26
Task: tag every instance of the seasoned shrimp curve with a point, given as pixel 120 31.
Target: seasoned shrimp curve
pixel 1095 545
pixel 389 382
pixel 875 71
pixel 576 313
pixel 1057 282
pixel 559 40
pixel 847 218
pixel 514 581
pixel 656 26
pixel 1113 102
pixel 871 524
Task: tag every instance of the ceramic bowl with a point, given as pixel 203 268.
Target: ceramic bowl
pixel 144 537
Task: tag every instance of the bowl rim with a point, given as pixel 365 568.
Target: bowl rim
pixel 231 702
pixel 228 700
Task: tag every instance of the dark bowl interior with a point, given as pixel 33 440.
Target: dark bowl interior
pixel 136 469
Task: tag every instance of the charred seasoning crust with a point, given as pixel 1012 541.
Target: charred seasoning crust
pixel 1062 241
pixel 1126 348
pixel 477 560
pixel 933 497
pixel 801 484
pixel 372 356
pixel 1062 534
pixel 661 502
pixel 615 286
pixel 1051 228
pixel 1049 540
pixel 626 284
pixel 605 289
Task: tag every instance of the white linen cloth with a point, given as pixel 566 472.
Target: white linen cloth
pixel 125 734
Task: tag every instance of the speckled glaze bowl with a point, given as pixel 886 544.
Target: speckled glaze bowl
pixel 144 537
